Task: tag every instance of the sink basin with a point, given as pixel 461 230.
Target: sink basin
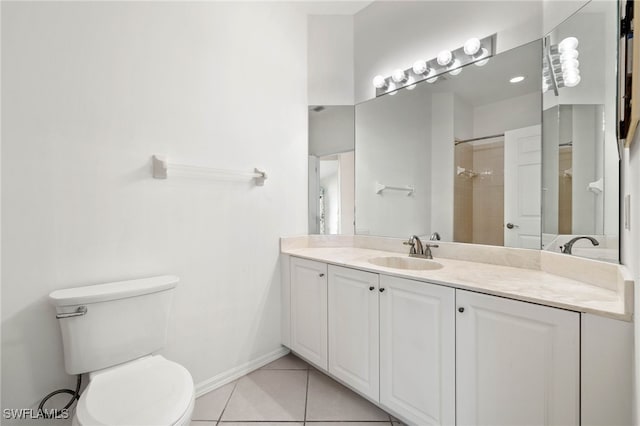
pixel 411 263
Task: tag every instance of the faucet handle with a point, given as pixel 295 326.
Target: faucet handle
pixel 411 243
pixel 432 245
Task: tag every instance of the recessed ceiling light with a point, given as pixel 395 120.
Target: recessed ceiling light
pixel 517 79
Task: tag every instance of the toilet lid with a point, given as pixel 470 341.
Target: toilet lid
pixel 150 391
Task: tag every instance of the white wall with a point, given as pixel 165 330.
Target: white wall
pixel 586 143
pixel 393 136
pixel 330 59
pixel 347 192
pixel 391 34
pixel 509 114
pixel 90 91
pixel 630 246
pixel 442 164
pixel 331 130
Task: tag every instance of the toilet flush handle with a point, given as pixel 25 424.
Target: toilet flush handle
pixel 82 310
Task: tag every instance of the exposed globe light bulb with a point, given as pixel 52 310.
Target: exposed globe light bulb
pixel 569 43
pixel 572 80
pixel 444 58
pixel 411 83
pixel 379 82
pixel 483 54
pixel 398 75
pixel 569 54
pixel 570 75
pixel 455 68
pixel 432 78
pixel 570 64
pixel 420 67
pixel 472 46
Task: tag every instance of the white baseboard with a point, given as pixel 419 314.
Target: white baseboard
pixel 235 373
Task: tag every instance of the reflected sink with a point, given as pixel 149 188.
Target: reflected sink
pixel 411 263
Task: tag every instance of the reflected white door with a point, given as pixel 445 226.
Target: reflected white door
pixel 522 187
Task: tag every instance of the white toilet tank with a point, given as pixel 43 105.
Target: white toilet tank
pixel 113 323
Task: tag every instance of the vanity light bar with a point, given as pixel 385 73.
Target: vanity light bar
pixel 475 50
pixel 560 67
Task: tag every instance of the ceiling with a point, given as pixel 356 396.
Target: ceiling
pixel 335 7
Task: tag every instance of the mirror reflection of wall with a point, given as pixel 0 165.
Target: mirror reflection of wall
pixel 580 176
pixel 331 169
pixel 447 142
pixel 573 179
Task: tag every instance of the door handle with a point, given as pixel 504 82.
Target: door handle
pixel 511 226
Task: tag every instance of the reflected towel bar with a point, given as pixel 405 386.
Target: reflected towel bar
pixel 380 187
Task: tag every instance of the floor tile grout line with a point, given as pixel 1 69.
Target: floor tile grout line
pixel 235 385
pixel 306 399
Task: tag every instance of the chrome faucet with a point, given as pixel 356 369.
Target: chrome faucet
pixel 418 249
pixel 569 245
pixel 435 237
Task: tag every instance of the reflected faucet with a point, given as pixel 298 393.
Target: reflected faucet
pixel 418 249
pixel 569 245
pixel 435 237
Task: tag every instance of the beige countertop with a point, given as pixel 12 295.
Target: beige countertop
pixel 530 283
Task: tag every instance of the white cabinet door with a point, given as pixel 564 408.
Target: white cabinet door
pixel 353 329
pixel 517 363
pixel 417 350
pixel 309 310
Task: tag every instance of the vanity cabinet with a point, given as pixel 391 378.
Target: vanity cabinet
pixel 417 350
pixel 434 355
pixel 517 363
pixel 309 310
pixel 353 329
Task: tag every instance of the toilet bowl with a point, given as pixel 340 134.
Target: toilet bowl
pixel 113 332
pixel 148 391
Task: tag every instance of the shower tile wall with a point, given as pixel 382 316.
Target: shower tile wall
pixel 565 191
pixel 479 201
pixel 463 196
pixel 488 193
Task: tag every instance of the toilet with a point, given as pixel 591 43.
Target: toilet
pixel 113 332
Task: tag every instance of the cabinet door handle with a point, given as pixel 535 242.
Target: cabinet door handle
pixel 461 309
pixel 381 289
pixel 321 275
pixel 372 288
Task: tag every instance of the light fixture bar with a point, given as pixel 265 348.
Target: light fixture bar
pixel 549 65
pixel 434 67
pixel 560 65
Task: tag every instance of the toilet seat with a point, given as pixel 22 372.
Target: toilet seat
pixel 147 391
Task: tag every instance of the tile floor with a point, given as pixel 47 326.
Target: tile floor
pixel 287 392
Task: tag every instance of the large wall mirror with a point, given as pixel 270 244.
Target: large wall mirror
pixel 580 165
pixel 495 154
pixel 459 156
pixel 331 169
